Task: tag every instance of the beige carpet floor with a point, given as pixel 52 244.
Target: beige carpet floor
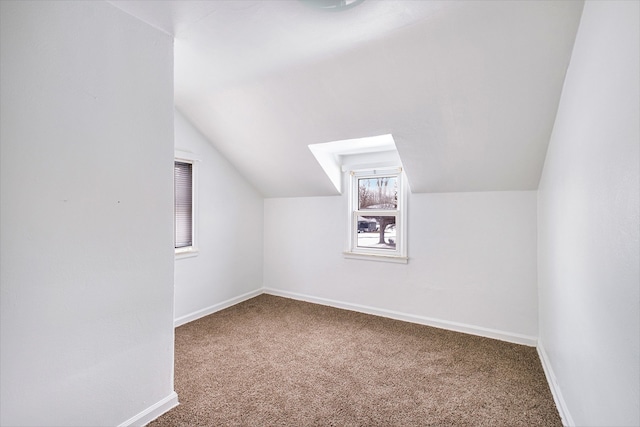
pixel 273 361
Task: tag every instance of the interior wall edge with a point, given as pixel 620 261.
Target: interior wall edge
pixel 153 411
pixel 556 392
pixel 511 337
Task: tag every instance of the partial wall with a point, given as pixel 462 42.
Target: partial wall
pixel 589 225
pixel 86 215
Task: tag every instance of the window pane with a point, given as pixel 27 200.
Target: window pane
pixel 377 232
pixel 378 193
pixel 183 204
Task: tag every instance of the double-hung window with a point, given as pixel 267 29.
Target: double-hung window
pixel 377 212
pixel 377 195
pixel 185 207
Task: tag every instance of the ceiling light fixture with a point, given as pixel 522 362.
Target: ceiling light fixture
pixel 332 5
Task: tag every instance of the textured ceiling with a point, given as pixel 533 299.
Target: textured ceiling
pixel 469 90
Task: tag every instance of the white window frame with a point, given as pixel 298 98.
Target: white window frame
pixel 399 254
pixel 193 250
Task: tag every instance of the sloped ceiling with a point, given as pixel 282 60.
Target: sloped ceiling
pixel 469 90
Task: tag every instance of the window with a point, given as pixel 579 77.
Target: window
pixel 377 194
pixel 377 215
pixel 184 179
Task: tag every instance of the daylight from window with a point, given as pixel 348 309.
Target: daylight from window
pixel 377 230
pixel 376 195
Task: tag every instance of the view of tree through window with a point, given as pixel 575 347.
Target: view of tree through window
pixel 377 194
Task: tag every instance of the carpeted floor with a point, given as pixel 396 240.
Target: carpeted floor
pixel 273 361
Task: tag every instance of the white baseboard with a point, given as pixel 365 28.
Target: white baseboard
pixel 567 420
pixel 216 307
pixel 442 324
pixel 152 412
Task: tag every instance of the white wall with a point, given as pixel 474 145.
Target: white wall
pixel 472 261
pixel 588 224
pixel 230 232
pixel 86 215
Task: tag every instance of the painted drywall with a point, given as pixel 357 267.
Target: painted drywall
pixel 588 224
pixel 230 232
pixel 86 215
pixel 472 259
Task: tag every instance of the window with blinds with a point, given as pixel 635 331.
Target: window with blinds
pixel 183 204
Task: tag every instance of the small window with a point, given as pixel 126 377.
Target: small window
pixel 184 179
pixel 377 215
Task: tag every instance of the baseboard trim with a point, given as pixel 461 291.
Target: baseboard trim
pixel 152 412
pixel 442 324
pixel 216 307
pixel 563 410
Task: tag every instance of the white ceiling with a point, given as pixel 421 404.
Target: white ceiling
pixel 469 89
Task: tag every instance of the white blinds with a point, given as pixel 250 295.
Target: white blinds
pixel 183 204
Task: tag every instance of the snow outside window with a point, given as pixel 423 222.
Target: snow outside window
pixel 377 217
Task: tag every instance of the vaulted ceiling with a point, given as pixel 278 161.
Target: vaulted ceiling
pixel 468 89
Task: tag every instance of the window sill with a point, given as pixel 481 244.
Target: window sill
pixel 375 257
pixel 188 253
